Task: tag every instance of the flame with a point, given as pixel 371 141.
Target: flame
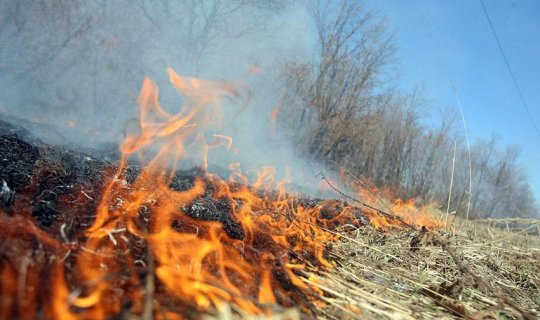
pixel 274 116
pixel 255 69
pixel 146 250
pixel 198 263
pixel 406 211
pixel 417 215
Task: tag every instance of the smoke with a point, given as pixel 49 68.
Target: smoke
pixel 72 70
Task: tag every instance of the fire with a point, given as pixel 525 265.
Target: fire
pixel 401 213
pixel 274 116
pixel 417 215
pixel 153 250
pixel 199 264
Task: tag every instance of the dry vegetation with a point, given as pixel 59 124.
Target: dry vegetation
pixel 494 274
pixel 380 274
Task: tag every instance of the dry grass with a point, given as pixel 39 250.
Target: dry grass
pixel 378 275
pixel 495 274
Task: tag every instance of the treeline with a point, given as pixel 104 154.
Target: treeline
pixel 343 110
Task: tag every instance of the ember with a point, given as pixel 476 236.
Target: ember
pixel 86 239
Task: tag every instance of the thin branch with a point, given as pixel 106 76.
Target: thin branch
pixel 150 287
pixel 451 185
pixel 482 285
pixel 386 214
pixel 468 149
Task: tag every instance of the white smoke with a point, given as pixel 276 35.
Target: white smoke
pixel 71 71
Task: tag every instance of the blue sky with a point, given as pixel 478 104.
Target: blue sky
pixel 449 43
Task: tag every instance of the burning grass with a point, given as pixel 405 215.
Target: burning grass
pixel 85 238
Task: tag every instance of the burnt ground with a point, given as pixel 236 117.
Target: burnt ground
pixel 44 178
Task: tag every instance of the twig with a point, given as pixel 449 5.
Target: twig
pixel 482 285
pixel 386 214
pixel 451 184
pixel 23 270
pixel 362 183
pixel 469 151
pixel 150 287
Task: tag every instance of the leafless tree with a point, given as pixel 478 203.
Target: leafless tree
pixel 343 109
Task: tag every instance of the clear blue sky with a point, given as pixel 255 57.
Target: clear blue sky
pixel 449 43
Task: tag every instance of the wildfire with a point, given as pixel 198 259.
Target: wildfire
pixel 154 248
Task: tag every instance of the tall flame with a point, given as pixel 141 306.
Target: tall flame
pixel 198 263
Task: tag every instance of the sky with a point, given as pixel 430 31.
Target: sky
pixel 445 44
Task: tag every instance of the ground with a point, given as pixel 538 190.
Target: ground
pixel 378 275
pixel 393 270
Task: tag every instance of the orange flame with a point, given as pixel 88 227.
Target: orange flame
pixel 250 254
pixel 274 115
pixel 198 264
pixel 407 211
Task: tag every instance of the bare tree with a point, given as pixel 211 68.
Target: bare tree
pixel 343 110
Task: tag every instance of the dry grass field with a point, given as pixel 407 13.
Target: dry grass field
pixel 472 271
